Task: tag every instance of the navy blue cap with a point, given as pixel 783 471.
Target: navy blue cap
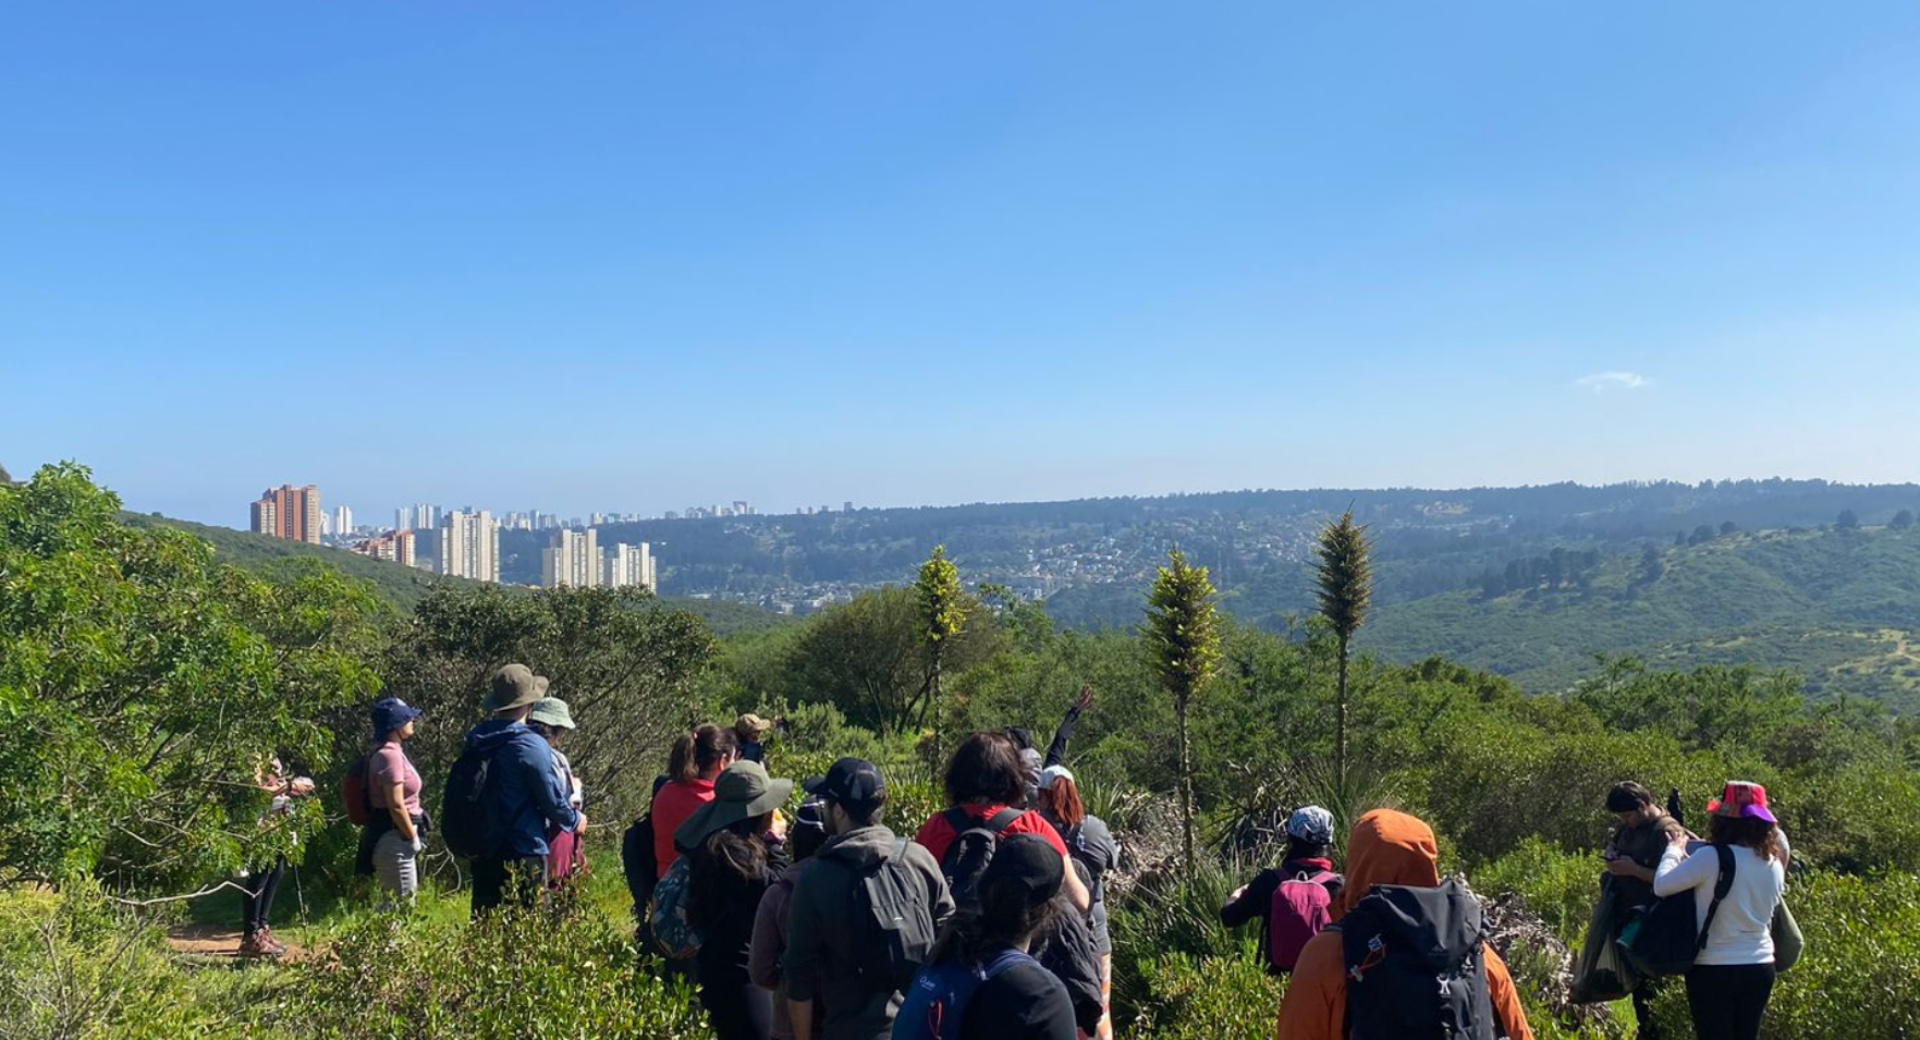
pixel 391 713
pixel 851 781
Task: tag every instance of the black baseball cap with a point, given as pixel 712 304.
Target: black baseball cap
pixel 851 781
pixel 1030 862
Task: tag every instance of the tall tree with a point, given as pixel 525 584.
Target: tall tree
pixel 943 608
pixel 1183 635
pixel 1344 573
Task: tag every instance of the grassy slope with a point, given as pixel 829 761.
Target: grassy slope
pixel 1839 608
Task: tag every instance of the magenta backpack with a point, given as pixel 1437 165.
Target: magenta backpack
pixel 1302 908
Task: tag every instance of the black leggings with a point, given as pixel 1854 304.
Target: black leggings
pixel 1728 1000
pixel 256 906
pixel 739 1012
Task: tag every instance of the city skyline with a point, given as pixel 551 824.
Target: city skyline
pixel 631 257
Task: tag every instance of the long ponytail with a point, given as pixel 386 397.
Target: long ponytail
pixel 700 752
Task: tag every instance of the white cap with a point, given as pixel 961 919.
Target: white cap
pixel 1052 773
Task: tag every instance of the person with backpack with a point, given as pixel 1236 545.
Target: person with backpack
pixel 1294 901
pixel 864 916
pixel 697 761
pixel 1092 849
pixel 400 823
pixel 1633 851
pixel 735 851
pixel 1405 955
pixel 1733 973
pixel 984 983
pixel 772 922
pixel 638 864
pixel 986 786
pixel 552 719
pixel 502 796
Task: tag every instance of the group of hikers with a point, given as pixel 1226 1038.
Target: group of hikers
pixel 991 920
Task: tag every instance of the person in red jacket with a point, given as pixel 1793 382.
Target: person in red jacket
pixel 985 777
pixel 698 758
pixel 1386 848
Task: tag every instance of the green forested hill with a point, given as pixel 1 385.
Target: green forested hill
pixel 401 586
pixel 1840 607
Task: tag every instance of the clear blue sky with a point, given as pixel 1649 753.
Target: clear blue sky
pixel 630 256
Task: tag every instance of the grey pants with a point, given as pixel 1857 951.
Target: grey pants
pixel 393 862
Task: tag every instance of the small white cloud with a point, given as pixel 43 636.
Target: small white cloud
pixel 1601 382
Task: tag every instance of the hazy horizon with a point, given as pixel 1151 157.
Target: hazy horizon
pixel 631 259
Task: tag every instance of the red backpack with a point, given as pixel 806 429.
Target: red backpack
pixel 1301 910
pixel 355 793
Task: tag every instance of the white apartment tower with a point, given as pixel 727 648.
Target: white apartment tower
pixel 573 560
pixel 631 565
pixel 343 521
pixel 470 545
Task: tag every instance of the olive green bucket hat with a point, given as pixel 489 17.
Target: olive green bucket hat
pixel 552 711
pixel 514 687
pixel 743 792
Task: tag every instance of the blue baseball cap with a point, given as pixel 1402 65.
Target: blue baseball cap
pixel 391 713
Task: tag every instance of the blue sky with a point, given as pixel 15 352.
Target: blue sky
pixel 631 256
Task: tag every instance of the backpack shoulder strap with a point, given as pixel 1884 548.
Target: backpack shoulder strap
pixel 959 820
pixel 1003 819
pixel 1721 886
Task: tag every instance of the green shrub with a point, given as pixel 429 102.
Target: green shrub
pixel 1182 997
pixel 1169 915
pixel 1562 887
pixel 74 968
pixel 512 975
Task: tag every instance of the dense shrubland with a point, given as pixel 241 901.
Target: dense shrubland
pixel 151 677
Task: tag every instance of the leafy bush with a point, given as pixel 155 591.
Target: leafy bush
pixel 73 968
pixel 1171 915
pixel 1182 997
pixel 1562 887
pixel 511 975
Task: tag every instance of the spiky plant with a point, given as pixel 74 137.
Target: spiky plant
pixel 1183 634
pixel 1344 573
pixel 943 613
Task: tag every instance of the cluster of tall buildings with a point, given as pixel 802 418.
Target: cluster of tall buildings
pixel 289 512
pixel 465 543
pixel 576 559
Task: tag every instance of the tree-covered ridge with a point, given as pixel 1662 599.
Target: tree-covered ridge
pixel 1840 607
pixel 1253 542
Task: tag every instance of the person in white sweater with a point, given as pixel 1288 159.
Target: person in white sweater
pixel 1732 978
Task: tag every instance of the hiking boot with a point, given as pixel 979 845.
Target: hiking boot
pixel 272 941
pixel 257 944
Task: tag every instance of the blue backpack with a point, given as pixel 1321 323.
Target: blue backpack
pixel 673 930
pixel 936 1003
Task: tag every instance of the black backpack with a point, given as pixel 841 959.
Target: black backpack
pixel 637 860
pixel 468 820
pixel 895 923
pixel 1416 965
pixel 974 844
pixel 1665 936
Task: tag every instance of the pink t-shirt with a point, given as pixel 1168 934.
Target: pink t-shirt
pixel 389 766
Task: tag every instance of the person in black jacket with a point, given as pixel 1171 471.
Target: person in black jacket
pixel 1019 898
pixel 738 845
pixel 1309 853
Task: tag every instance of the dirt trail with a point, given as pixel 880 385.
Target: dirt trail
pixel 218 943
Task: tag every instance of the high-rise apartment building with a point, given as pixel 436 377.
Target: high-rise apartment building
pixel 574 560
pixel 470 545
pixel 425 515
pixel 288 512
pixel 343 521
pixel 403 519
pixel 631 565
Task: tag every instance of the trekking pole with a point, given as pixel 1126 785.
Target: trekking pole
pixel 298 895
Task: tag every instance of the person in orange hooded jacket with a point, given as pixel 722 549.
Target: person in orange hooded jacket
pixel 1387 848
